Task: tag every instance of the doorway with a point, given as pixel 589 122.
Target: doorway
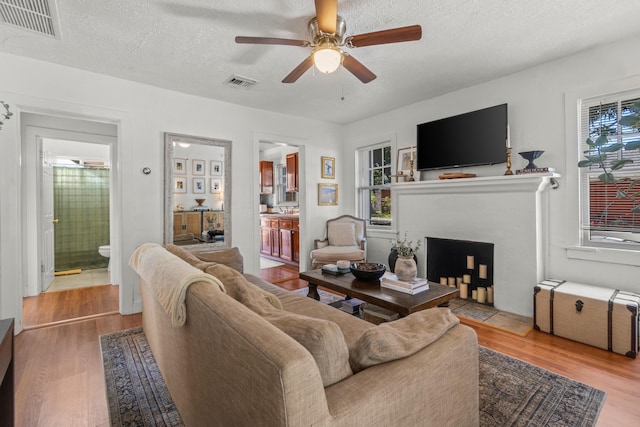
pixel 69 183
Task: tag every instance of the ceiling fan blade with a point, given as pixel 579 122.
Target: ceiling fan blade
pixel 395 35
pixel 299 70
pixel 357 69
pixel 327 14
pixel 271 40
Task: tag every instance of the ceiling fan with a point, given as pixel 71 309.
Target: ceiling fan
pixel 327 30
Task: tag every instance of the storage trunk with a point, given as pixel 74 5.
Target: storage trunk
pixel 601 317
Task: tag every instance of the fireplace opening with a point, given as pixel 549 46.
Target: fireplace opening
pixel 464 264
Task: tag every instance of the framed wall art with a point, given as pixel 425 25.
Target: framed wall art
pixel 198 186
pixel 328 167
pixel 197 168
pixel 327 194
pixel 180 185
pixel 180 166
pixel 216 185
pixel 216 168
pixel 405 155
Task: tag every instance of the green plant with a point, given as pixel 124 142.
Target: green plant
pixel 599 153
pixel 404 247
pixel 6 115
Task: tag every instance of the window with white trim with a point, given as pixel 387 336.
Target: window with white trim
pixel 374 184
pixel 609 197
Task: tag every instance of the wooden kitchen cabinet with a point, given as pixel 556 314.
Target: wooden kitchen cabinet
pixel 280 238
pixel 292 172
pixel 266 177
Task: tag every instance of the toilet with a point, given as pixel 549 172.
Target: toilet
pixel 105 251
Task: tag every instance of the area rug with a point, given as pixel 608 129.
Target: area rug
pixel 269 263
pixel 512 392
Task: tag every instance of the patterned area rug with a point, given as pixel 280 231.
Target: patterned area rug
pixel 325 297
pixel 512 392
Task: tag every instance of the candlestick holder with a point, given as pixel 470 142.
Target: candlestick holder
pixel 509 171
pixel 411 179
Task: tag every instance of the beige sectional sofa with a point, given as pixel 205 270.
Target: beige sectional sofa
pixel 243 352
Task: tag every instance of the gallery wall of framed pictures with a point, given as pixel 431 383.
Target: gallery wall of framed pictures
pixel 197 175
pixel 327 192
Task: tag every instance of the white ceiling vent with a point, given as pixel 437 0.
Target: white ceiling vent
pixel 32 15
pixel 241 82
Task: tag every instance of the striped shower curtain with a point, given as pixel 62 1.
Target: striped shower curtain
pixel 81 204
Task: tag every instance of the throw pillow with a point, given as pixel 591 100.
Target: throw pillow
pixel 187 256
pixel 240 289
pixel 230 257
pixel 401 338
pixel 322 338
pixel 342 234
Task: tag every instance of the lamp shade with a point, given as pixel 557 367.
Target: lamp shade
pixel 327 60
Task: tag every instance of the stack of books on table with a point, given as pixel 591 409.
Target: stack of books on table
pixel 333 269
pixel 373 313
pixel 415 286
pixel 351 306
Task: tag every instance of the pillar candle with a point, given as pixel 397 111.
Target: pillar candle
pixel 470 263
pixel 482 295
pixel 443 281
pixel 466 278
pixel 490 294
pixel 451 281
pixel 458 281
pixel 464 291
pixel 474 294
pixel 482 273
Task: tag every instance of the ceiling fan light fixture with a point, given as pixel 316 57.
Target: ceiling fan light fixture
pixel 327 59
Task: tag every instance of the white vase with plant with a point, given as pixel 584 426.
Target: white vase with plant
pixel 404 266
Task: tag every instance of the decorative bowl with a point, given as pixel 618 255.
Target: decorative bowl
pixel 531 156
pixel 200 201
pixel 368 271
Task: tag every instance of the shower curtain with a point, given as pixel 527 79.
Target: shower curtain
pixel 81 204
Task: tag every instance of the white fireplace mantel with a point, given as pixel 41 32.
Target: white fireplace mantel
pixel 509 211
pixel 488 184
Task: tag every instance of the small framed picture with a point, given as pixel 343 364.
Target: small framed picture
pixel 198 185
pixel 405 156
pixel 328 167
pixel 327 194
pixel 180 166
pixel 180 185
pixel 216 168
pixel 216 185
pixel 197 167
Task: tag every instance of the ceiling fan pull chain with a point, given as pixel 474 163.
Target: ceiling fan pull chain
pixel 342 83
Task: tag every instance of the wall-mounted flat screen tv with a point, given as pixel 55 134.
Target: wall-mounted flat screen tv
pixel 470 139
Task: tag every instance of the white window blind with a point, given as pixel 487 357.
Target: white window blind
pixel 607 217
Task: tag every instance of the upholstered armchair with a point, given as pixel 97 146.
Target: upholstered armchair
pixel 346 238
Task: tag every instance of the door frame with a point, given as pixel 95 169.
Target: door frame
pixel 31 199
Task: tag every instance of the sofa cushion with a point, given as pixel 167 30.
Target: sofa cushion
pixel 187 256
pixel 241 290
pixel 230 257
pixel 401 338
pixel 202 259
pixel 334 253
pixel 341 234
pixel 322 338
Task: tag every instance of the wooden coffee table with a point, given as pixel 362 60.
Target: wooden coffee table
pixel 371 292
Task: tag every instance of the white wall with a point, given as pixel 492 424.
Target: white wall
pixel 143 114
pixel 542 111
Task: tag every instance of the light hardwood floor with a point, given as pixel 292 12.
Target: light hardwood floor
pixel 60 380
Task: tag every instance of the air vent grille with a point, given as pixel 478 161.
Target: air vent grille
pixel 32 15
pixel 240 82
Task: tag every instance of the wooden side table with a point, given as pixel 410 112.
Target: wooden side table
pixel 6 373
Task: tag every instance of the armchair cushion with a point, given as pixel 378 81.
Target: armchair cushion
pixel 335 253
pixel 401 338
pixel 341 234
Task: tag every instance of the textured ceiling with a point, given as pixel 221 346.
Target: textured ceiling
pixel 188 46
